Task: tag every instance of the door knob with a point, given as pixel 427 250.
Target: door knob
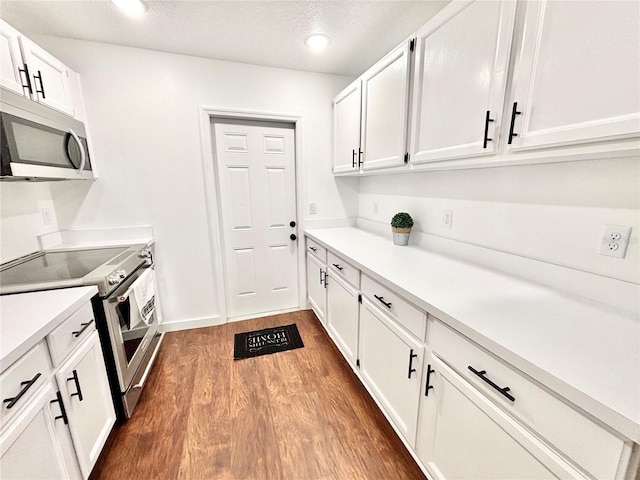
pixel 292 224
pixel 293 236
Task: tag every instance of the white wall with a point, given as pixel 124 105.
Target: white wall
pixel 21 219
pixel 142 108
pixel 548 212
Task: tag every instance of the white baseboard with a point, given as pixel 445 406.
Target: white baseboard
pixel 188 324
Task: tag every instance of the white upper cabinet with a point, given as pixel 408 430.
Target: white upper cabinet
pixel 385 100
pixel 577 74
pixel 31 71
pixel 346 129
pixel 459 81
pixel 11 59
pixel 49 77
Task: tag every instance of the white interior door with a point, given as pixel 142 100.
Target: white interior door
pixel 256 185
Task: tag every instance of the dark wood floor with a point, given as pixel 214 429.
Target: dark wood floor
pixel 300 414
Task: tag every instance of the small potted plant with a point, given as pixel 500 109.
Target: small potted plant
pixel 401 224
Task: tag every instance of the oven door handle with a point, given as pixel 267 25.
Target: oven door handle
pixel 127 293
pixel 143 380
pixel 83 155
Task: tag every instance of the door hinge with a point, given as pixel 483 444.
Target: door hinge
pixel 359 298
pixel 406 157
pixel 412 44
pixel 358 362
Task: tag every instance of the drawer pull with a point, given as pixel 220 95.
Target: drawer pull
pixel 74 377
pixel 338 266
pixel 411 357
pixel 386 304
pixel 84 327
pixel 428 385
pixel 504 391
pixel 314 249
pixel 63 411
pixel 27 385
pixel 326 276
pixel 353 158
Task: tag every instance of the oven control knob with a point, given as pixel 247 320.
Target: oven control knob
pixel 113 279
pixel 122 274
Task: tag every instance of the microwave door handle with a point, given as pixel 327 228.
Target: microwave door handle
pixel 83 155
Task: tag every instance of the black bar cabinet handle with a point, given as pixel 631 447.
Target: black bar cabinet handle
pixel 84 327
pixel 27 385
pixel 338 266
pixel 487 120
pixel 514 112
pixel 360 162
pixel 503 390
pixel 25 70
pixel 428 385
pixel 63 411
pixel 411 357
pixel 39 77
pixel 74 377
pixel 321 272
pixel 353 158
pixel 313 249
pixel 381 300
pixel 325 278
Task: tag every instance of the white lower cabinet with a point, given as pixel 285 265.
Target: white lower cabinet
pixel 57 420
pixel 316 289
pixel 391 364
pixel 342 316
pixel 85 389
pixel 38 444
pixel 464 435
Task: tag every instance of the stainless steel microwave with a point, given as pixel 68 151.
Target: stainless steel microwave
pixel 39 143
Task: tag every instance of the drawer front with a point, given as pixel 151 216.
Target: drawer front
pixel 407 315
pixel 591 446
pixel 70 333
pixel 317 250
pixel 21 380
pixel 347 271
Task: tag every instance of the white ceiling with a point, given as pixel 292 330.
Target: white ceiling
pixel 270 33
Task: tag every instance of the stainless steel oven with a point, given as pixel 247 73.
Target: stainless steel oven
pixel 133 340
pixel 130 340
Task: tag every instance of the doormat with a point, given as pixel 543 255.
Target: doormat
pixel 264 342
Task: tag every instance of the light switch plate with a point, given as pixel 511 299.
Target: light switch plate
pixel 313 208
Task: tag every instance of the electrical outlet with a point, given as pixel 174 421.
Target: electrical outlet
pixel 614 240
pixel 375 208
pixel 447 218
pixel 47 215
pixel 313 208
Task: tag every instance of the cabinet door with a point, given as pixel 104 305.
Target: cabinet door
pixel 385 100
pixel 577 74
pixel 49 77
pixel 316 289
pixel 85 391
pixel 11 59
pixel 37 446
pixel 346 129
pixel 459 81
pixel 462 435
pixel 391 364
pixel 342 316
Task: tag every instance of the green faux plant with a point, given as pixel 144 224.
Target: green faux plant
pixel 402 220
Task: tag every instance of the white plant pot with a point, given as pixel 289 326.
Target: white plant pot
pixel 401 236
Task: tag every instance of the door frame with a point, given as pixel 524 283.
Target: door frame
pixel 214 218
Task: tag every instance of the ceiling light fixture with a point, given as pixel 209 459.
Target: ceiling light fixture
pixel 133 8
pixel 317 42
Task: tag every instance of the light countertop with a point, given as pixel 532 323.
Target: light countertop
pixel 26 318
pixel 586 351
